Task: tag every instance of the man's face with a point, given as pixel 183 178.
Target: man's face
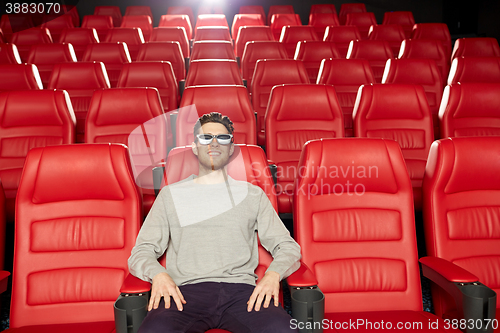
pixel 213 156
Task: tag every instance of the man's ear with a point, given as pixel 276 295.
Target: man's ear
pixel 194 148
pixel 231 151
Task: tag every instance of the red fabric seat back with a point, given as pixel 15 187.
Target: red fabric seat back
pixel 56 24
pixel 172 34
pixel 461 201
pixel 472 69
pixel 398 112
pixel 296 114
pixel 346 76
pixel 278 21
pixel 354 220
pixel 231 101
pixel 212 33
pixel 113 55
pixel 257 50
pixel 100 23
pixel 19 77
pixel 426 49
pixel 363 21
pixel 113 11
pixel 9 54
pixel 133 37
pixel 211 20
pixel 213 72
pixel 177 21
pixel 342 37
pixel 138 11
pixel 212 50
pixel 10 23
pixel 30 119
pixel 145 22
pixel 254 10
pixel 79 38
pixel 45 56
pixel 375 51
pixel 182 10
pixel 323 9
pixel 72 11
pixel 322 20
pixel 278 9
pixel 403 18
pixel 2 225
pixel 347 8
pixel 77 218
pixel 312 53
pixel 393 33
pixel 250 34
pixel 241 20
pixel 25 38
pixel 164 51
pixel 470 109
pixel 433 31
pixel 291 35
pixel 476 47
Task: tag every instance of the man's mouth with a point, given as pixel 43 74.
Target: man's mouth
pixel 214 153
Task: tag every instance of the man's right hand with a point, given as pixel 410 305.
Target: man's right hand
pixel 164 286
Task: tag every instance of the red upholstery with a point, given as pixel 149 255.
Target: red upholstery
pixel 164 51
pixel 79 38
pixel 213 72
pixel 254 10
pixel 347 8
pixel 45 56
pixel 461 187
pixel 56 24
pixel 342 37
pixel 25 38
pixel 231 101
pixel 113 55
pixel 113 11
pixel 393 33
pixel 278 9
pixel 9 54
pixel 182 10
pixel 145 22
pixel 100 23
pixel 115 113
pixel 269 73
pixel 241 20
pixel 19 77
pixel 472 69
pixel 2 39
pixel 172 34
pixel 476 47
pixel 322 20
pixel 30 119
pixel 138 11
pixel 278 21
pixel 209 10
pixel 177 21
pixel 323 9
pixel 433 31
pixel 211 20
pixel 427 49
pixel 73 12
pixel 70 262
pixel 131 36
pixel 363 21
pixel 249 34
pixel 312 54
pixel 257 50
pixel 291 35
pixel 398 112
pixel 2 227
pixel 10 23
pixel 212 50
pixel 346 75
pixel 377 52
pixel 418 71
pixel 403 18
pixel 212 33
pixel 91 77
pixel 296 114
pixel 470 109
pixel 156 74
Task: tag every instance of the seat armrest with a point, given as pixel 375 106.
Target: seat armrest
pixel 4 280
pixel 475 301
pixel 182 86
pixel 158 178
pixel 303 277
pixel 134 285
pixel 245 83
pixel 186 64
pixel 131 307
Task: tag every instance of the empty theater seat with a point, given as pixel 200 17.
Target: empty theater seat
pixel 91 77
pixel 145 22
pixel 296 114
pixel 377 52
pixel 3 279
pixel 291 35
pixel 393 33
pixel 269 73
pixel 25 38
pixel 426 49
pixel 403 18
pixel 72 11
pixel 79 38
pixel 470 109
pixel 56 24
pixel 172 34
pixel 398 112
pixel 9 54
pixel 113 116
pixel 251 34
pixel 323 9
pixel 45 56
pixel 30 119
pixel 164 51
pixel 231 101
pixel 312 54
pixel 113 55
pixel 213 72
pixel 257 50
pixel 433 31
pixel 363 21
pixel 346 75
pixel 100 23
pixel 245 20
pixel 342 37
pixel 10 23
pixel 19 77
pixel 254 10
pixel 279 9
pixel 320 21
pixel 476 47
pixel 182 10
pixel 347 8
pixel 211 20
pixel 131 36
pixel 138 11
pixel 278 21
pixel 471 69
pixel 63 250
pixel 113 11
pixel 212 33
pixel 212 50
pixel 177 21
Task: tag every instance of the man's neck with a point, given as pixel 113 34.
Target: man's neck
pixel 211 176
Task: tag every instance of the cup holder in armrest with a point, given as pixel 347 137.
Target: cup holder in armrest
pixel 130 311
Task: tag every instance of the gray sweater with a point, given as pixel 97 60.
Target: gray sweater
pixel 209 232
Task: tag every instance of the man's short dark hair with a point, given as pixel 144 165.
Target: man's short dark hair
pixel 213 117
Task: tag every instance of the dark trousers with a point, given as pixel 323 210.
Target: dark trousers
pixel 216 305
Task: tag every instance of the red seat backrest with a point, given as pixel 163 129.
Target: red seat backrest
pixel 363 21
pixel 470 109
pixel 164 51
pixel 375 51
pixel 250 34
pixel 433 31
pixel 79 38
pixel 347 8
pixel 231 101
pixel 2 225
pixel 342 36
pixel 393 33
pixel 279 9
pixel 10 23
pixel 19 77
pixel 241 20
pixel 212 50
pixel 182 10
pixel 322 20
pixel 30 118
pixel 72 11
pixel 25 38
pixel 56 24
pixel 177 21
pixel 113 11
pixel 76 254
pixel 354 220
pixel 9 54
pixel 213 72
pixel 323 9
pixel 113 55
pixel 100 23
pixel 427 49
pixel 312 53
pixel 403 18
pixel 296 114
pixel 398 112
pixel 472 69
pixel 45 56
pixel 476 47
pixel 254 10
pixel 278 21
pixel 145 22
pixel 212 33
pixel 291 35
pixel 138 11
pixel 211 20
pixel 133 37
pixel 257 50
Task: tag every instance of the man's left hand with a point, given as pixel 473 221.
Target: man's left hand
pixel 267 288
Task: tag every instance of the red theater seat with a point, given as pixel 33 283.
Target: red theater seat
pixel 245 20
pixel 254 10
pixel 2 38
pixel 3 274
pixel 470 109
pixel 113 55
pixel 398 112
pixel 35 118
pixel 476 47
pixel 346 75
pixel 211 20
pixel 63 251
pixel 181 10
pixel 312 54
pixel 278 21
pixel 291 35
pixel 172 34
pixel 91 77
pixel 393 33
pixel 25 38
pixel 255 51
pixel 145 22
pixel 79 38
pixel 472 69
pixel 251 34
pixel 164 51
pixel 347 8
pixel 231 101
pixel 213 72
pixel 433 31
pixel 113 116
pixel 138 11
pixel 269 73
pixel 426 49
pixel 46 56
pixel 131 36
pixel 19 77
pixel 209 10
pixel 101 23
pixel 403 18
pixel 72 11
pixel 212 33
pixel 342 37
pixel 279 9
pixel 56 24
pixel 10 23
pixel 113 11
pixel 9 54
pixel 363 21
pixel 320 21
pixel 296 114
pixel 377 52
pixel 212 50
pixel 323 9
pixel 177 21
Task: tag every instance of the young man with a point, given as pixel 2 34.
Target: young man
pixel 208 226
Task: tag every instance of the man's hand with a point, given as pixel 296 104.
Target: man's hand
pixel 164 286
pixel 267 288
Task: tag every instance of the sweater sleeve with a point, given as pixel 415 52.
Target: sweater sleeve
pixel 276 240
pixel 151 242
